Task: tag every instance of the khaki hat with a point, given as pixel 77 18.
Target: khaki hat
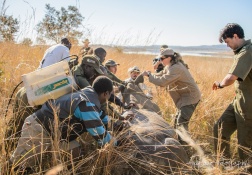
pixel 111 62
pixel 92 61
pixel 133 69
pixel 86 41
pixel 167 51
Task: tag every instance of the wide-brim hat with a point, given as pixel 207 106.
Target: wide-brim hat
pixel 86 41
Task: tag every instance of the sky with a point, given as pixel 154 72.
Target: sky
pixel 142 22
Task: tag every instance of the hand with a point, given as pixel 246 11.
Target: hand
pixel 121 88
pixel 129 106
pixel 145 73
pixel 216 85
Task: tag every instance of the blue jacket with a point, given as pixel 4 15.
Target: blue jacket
pixel 80 111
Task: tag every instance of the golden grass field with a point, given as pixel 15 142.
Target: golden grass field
pixel 16 60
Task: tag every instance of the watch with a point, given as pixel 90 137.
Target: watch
pixel 219 86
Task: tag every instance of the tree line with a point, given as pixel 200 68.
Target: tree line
pixel 54 25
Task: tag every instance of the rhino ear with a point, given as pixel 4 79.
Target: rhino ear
pixel 139 79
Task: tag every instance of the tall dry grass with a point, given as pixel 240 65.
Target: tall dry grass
pixel 16 60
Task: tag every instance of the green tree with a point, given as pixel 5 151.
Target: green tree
pixel 9 26
pixel 27 42
pixel 57 24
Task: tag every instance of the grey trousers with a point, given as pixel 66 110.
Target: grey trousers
pixel 183 117
pixel 34 141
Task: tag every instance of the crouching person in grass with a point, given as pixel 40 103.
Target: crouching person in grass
pixel 60 122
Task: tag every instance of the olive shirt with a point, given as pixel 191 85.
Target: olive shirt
pixel 242 68
pixel 181 85
pixel 79 77
pixel 114 77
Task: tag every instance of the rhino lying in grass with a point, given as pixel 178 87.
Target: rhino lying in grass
pixel 148 143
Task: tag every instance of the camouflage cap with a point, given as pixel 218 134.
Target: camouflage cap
pixel 111 62
pixel 92 61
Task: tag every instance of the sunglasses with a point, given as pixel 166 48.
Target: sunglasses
pixel 164 57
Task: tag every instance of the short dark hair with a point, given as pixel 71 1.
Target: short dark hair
pixel 102 84
pixel 98 51
pixel 66 42
pixel 229 30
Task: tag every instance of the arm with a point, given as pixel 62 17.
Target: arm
pixel 164 79
pixel 114 77
pixel 90 115
pixel 227 81
pixel 66 54
pixel 239 71
pixel 115 99
pixel 79 77
pixel 81 81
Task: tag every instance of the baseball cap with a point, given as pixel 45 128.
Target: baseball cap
pixel 167 51
pixel 133 69
pixel 111 62
pixel 92 61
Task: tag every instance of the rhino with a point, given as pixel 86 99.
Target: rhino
pixel 149 145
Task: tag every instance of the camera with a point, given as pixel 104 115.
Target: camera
pixel 156 60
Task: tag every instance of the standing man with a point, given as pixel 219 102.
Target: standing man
pixel 86 49
pixel 238 115
pixel 56 53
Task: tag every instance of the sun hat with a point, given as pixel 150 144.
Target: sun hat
pixel 86 41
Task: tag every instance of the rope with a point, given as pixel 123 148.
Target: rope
pixel 6 111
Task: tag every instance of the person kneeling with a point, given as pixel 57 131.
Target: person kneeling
pixel 63 120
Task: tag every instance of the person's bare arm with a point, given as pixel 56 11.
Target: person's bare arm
pixel 227 81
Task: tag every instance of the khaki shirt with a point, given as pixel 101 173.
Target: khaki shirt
pixel 79 77
pixel 241 67
pixel 181 85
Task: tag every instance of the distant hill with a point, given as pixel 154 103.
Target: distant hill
pixel 184 50
pixel 155 48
